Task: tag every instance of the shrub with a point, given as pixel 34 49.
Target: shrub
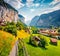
pixel 34 30
pixel 59 30
pixel 2 28
pixel 11 29
pixel 30 39
pixel 20 25
pixel 43 41
pixel 59 37
pixel 34 43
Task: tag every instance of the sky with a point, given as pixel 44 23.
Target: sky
pixel 32 8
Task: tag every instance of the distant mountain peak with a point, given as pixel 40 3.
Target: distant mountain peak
pixel 45 20
pixel 34 21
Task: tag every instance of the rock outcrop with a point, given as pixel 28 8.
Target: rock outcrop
pixel 7 12
pixel 21 18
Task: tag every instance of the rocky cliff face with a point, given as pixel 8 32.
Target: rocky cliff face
pixel 34 21
pixel 22 18
pixel 7 13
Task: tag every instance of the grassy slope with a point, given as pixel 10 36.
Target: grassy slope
pixel 22 34
pixel 38 51
pixel 33 51
pixel 7 41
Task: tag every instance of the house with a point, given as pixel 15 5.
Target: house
pixel 53 31
pixel 53 41
pixel 43 31
pixel 35 40
pixel 27 30
pixel 48 32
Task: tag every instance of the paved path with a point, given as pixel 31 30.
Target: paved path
pixel 14 50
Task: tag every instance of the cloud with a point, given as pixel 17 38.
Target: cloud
pixel 32 7
pixel 32 10
pixel 6 1
pixel 29 3
pixel 53 6
pixel 15 3
pixel 48 10
pixel 42 1
pixel 54 2
pixel 37 4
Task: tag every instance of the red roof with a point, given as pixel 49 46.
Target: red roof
pixel 53 40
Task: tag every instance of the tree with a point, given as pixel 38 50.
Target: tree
pixel 34 29
pixel 43 41
pixel 58 30
pixel 20 25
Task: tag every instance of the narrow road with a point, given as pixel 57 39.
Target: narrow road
pixel 14 50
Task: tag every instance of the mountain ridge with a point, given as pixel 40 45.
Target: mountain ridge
pixel 45 20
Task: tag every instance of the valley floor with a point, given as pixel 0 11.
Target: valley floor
pixel 50 50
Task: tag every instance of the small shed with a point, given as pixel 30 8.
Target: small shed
pixel 53 41
pixel 36 38
pixel 27 30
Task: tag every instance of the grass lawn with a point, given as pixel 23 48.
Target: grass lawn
pixel 38 51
